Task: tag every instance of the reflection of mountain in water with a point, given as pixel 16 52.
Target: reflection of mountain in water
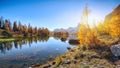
pixel 21 41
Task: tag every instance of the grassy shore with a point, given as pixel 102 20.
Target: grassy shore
pixel 6 39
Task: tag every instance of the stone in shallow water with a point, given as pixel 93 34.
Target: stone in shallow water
pixel 68 48
pixel 115 49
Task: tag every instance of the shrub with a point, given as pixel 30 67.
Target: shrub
pixel 115 26
pixel 6 34
pixel 87 36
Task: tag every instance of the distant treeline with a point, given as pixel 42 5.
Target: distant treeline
pixel 16 29
pixel 61 34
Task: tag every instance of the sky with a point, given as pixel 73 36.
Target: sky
pixel 54 13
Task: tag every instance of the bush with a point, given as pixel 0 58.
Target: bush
pixel 6 34
pixel 87 36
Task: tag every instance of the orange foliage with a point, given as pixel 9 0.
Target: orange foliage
pixel 87 36
pixel 115 26
pixel 110 29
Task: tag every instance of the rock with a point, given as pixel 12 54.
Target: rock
pixel 45 67
pixel 115 49
pixel 117 62
pixel 29 67
pixel 82 56
pixel 64 56
pixel 94 56
pixel 77 56
pixel 67 62
pixel 63 39
pixel 113 59
pixel 72 50
pixel 78 48
pixel 74 41
pixel 24 64
pixel 48 66
pixel 75 62
pixel 36 65
pixel 53 63
pixel 32 65
pixel 69 48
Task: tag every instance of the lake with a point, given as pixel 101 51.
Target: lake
pixel 25 52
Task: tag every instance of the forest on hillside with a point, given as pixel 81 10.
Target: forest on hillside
pixel 16 29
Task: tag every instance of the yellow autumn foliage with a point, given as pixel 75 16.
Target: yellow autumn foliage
pixel 96 35
pixel 102 29
pixel 115 26
pixel 87 36
pixel 106 31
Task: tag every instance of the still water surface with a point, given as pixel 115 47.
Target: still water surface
pixel 26 52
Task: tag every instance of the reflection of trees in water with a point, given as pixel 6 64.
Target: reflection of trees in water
pixel 6 46
pixel 61 35
pixel 57 38
pixel 43 39
pixel 63 39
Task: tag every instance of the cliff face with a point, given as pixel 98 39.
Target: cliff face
pixel 115 14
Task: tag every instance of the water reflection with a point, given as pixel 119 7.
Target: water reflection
pixel 6 46
pixel 72 40
pixel 23 52
pixel 19 42
pixel 63 39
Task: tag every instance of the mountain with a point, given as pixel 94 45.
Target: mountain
pixel 60 30
pixel 70 30
pixel 73 30
pixel 114 14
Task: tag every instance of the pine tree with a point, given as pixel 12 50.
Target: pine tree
pixel 15 29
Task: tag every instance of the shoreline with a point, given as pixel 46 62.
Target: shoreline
pixel 78 57
pixel 7 39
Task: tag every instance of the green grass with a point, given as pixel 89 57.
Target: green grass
pixel 6 39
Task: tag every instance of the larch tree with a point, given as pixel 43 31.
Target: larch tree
pixel 115 26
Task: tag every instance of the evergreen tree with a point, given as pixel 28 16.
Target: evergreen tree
pixel 15 29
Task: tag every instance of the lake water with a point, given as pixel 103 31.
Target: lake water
pixel 25 52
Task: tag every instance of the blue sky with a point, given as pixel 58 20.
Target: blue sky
pixel 54 13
